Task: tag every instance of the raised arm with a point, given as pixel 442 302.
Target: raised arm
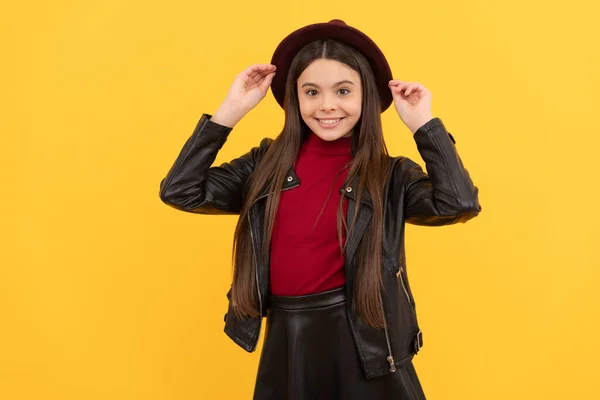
pixel 192 185
pixel 445 194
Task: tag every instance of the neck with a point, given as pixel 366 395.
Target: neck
pixel 342 145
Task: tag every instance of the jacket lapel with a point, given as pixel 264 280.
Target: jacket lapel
pixel 362 220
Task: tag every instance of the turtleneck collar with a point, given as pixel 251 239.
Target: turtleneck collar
pixel 315 144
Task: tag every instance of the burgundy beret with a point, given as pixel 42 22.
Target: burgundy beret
pixel 338 30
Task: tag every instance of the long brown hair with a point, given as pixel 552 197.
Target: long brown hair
pixel 370 157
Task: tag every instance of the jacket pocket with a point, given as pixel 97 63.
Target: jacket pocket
pixel 244 332
pixel 406 333
pixel 403 277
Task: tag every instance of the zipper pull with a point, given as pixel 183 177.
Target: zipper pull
pixel 390 360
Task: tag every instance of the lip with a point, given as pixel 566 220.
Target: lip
pixel 329 126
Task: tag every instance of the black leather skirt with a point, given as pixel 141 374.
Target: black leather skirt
pixel 309 354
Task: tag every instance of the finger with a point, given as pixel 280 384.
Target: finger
pixel 258 75
pixel 397 92
pixel 256 68
pixel 250 70
pixel 394 82
pixel 264 85
pixel 255 76
pixel 264 69
pixel 412 88
pixel 402 87
pixel 419 88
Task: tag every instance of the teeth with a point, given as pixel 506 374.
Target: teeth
pixel 329 121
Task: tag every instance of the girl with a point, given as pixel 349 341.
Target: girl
pixel 319 244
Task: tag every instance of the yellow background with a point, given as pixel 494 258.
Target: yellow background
pixel 106 293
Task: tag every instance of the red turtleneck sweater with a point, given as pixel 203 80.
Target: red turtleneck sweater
pixel 305 252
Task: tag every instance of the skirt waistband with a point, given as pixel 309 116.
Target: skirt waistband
pixel 309 301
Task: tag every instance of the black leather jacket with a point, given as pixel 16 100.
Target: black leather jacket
pixel 446 195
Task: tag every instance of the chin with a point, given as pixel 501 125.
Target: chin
pixel 328 135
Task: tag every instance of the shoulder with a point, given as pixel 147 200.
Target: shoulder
pixel 257 152
pixel 265 143
pixel 247 162
pixel 401 169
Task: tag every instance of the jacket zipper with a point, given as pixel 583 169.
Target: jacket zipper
pixel 404 285
pixel 256 272
pixel 260 311
pixel 390 357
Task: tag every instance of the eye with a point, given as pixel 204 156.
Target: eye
pixel 343 91
pixel 311 92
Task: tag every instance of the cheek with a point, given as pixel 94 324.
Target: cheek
pixel 306 109
pixel 354 108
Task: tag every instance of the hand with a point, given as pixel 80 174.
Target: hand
pixel 412 102
pixel 247 90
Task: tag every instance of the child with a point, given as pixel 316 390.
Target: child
pixel 319 244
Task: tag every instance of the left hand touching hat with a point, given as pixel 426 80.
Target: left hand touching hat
pixel 412 102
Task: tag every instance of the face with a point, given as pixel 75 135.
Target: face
pixel 330 97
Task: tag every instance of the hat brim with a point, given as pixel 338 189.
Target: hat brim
pixel 289 46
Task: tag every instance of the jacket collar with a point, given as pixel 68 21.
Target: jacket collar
pixel 350 190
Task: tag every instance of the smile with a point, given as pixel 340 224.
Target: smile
pixel 330 122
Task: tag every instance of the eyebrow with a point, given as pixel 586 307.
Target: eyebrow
pixel 337 84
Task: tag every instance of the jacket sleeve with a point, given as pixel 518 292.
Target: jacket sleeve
pixel 446 195
pixel 192 185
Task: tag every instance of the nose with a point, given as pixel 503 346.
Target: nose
pixel 327 104
pixel 327 107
